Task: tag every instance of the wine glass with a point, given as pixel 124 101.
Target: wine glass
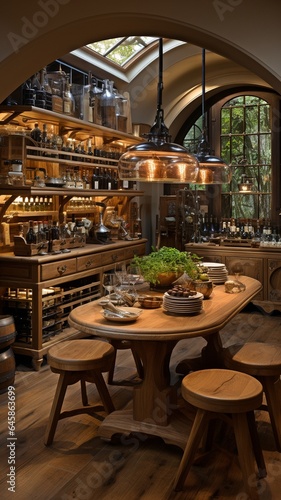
pixel 121 272
pixel 109 282
pixel 133 274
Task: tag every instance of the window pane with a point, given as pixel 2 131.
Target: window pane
pixel 251 149
pixel 265 148
pixel 265 179
pixel 237 124
pixel 251 119
pixel 264 119
pixel 225 121
pixel 225 149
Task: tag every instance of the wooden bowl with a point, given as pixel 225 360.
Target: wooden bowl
pixel 148 302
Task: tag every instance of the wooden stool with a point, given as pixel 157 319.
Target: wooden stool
pixel 215 392
pixel 263 361
pixel 84 361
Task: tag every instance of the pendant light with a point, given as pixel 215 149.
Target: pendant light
pixel 212 169
pixel 158 159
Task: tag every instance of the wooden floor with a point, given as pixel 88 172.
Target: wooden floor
pixel 80 466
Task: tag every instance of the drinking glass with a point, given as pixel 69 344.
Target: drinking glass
pixel 133 274
pixel 109 282
pixel 121 272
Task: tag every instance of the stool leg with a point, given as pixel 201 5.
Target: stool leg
pixel 195 436
pixel 56 408
pixel 103 391
pixel 274 407
pixel 245 454
pixel 84 393
pixel 256 444
pixel 111 371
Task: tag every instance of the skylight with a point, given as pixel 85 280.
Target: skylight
pixel 121 50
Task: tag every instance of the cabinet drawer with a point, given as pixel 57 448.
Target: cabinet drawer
pixel 88 262
pixel 113 256
pixel 57 269
pixel 135 250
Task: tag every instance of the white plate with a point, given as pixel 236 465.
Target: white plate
pixel 125 319
pixel 185 299
pixel 213 264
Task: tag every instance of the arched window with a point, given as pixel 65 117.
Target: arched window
pixel 244 130
pixel 245 143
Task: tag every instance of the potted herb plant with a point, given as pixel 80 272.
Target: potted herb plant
pixel 163 266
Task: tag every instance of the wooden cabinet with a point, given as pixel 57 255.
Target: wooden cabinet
pixel 22 197
pixel 263 264
pixel 273 265
pixel 40 291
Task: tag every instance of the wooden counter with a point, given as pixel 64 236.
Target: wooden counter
pixel 40 291
pixel 263 264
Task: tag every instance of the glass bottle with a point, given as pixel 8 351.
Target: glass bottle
pixel 68 99
pixel 95 91
pixel 121 112
pixel 41 232
pixel 108 105
pixel 30 235
pixel 36 133
pixel 96 179
pixel 87 110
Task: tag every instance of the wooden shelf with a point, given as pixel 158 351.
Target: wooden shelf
pixel 81 129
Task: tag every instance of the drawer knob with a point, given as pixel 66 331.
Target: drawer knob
pixel 89 263
pixel 61 269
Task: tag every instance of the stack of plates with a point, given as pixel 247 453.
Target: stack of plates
pixel 217 272
pixel 183 305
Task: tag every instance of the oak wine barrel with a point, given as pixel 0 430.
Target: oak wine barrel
pixel 7 358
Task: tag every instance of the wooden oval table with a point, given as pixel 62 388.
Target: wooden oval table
pixel 153 336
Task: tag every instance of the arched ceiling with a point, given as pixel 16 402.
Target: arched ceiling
pixel 244 40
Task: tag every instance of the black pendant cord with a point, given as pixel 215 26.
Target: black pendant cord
pixel 203 91
pixel 160 76
pixel 159 133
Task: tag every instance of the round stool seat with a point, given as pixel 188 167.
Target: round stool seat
pixel 263 361
pixel 254 358
pixel 215 393
pixel 81 355
pixel 79 361
pixel 223 391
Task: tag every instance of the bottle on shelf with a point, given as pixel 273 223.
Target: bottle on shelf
pixel 41 233
pixel 107 105
pixel 30 235
pixel 96 179
pixel 36 134
pixel 68 99
pixel 109 179
pixel 78 181
pixel 95 91
pixel 212 227
pixel 87 110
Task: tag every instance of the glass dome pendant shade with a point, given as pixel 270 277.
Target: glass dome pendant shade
pixel 212 169
pixel 158 159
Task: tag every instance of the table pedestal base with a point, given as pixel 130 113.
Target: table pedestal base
pixel 122 423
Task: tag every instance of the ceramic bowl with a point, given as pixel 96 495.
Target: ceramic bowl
pixel 204 287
